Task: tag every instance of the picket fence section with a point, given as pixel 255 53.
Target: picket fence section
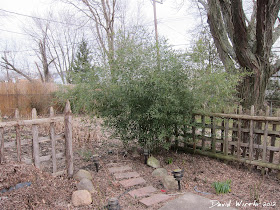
pixel 36 140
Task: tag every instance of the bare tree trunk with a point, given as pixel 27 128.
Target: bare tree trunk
pixel 252 89
pixel 246 44
pixel 44 59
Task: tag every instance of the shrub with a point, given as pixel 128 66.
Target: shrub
pixel 149 109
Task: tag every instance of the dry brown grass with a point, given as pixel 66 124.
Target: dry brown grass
pixel 25 95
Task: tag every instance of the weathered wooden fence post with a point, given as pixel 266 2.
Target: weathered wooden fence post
pixel 258 137
pixel 265 138
pixel 203 132
pixel 278 115
pixel 222 134
pixel 193 132
pixel 273 139
pixel 251 135
pixel 35 139
pixel 225 145
pixel 239 133
pixel 234 132
pixel 52 136
pixel 2 144
pixel 18 140
pixel 213 134
pixel 1 141
pixel 278 174
pixel 68 139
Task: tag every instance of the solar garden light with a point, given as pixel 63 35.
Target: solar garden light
pixel 95 161
pixel 110 152
pixel 113 204
pixel 146 154
pixel 178 175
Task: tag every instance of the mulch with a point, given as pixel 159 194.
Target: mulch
pixel 45 191
pixel 48 192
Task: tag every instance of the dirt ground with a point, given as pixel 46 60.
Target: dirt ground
pixel 47 192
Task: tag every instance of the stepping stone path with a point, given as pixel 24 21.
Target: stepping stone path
pixel 126 175
pixel 141 192
pixel 154 199
pixel 119 169
pixel 132 182
pixel 131 179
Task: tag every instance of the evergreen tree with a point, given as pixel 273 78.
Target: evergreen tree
pixel 82 68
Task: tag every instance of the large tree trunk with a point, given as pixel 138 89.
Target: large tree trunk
pixel 244 44
pixel 252 89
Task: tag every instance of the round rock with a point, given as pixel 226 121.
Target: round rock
pixel 153 162
pixel 159 172
pixel 170 183
pixel 86 184
pixel 82 174
pixel 81 198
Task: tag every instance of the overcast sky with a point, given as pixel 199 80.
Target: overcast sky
pixel 173 24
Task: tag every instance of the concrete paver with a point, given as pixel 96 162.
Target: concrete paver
pixel 154 199
pixel 119 169
pixel 132 182
pixel 114 165
pixel 126 175
pixel 142 192
pixel 190 201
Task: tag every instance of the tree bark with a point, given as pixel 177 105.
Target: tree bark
pixel 252 89
pixel 246 44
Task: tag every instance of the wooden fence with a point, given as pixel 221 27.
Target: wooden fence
pixel 245 138
pixel 36 140
pixel 25 95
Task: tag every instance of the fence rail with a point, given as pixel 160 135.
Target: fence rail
pixel 36 140
pixel 248 139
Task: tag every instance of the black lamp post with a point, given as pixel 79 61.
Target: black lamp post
pixel 113 204
pixel 146 154
pixel 178 175
pixel 95 161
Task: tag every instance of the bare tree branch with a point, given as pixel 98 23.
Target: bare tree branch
pixel 276 67
pixel 252 25
pixel 204 4
pixel 276 34
pixel 244 55
pixel 219 33
pixel 226 11
pixel 267 14
pixel 7 64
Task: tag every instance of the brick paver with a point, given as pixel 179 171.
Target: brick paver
pixel 132 182
pixel 126 175
pixel 142 192
pixel 154 199
pixel 119 169
pixel 114 165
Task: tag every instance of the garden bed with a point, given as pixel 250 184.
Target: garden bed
pixel 47 192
